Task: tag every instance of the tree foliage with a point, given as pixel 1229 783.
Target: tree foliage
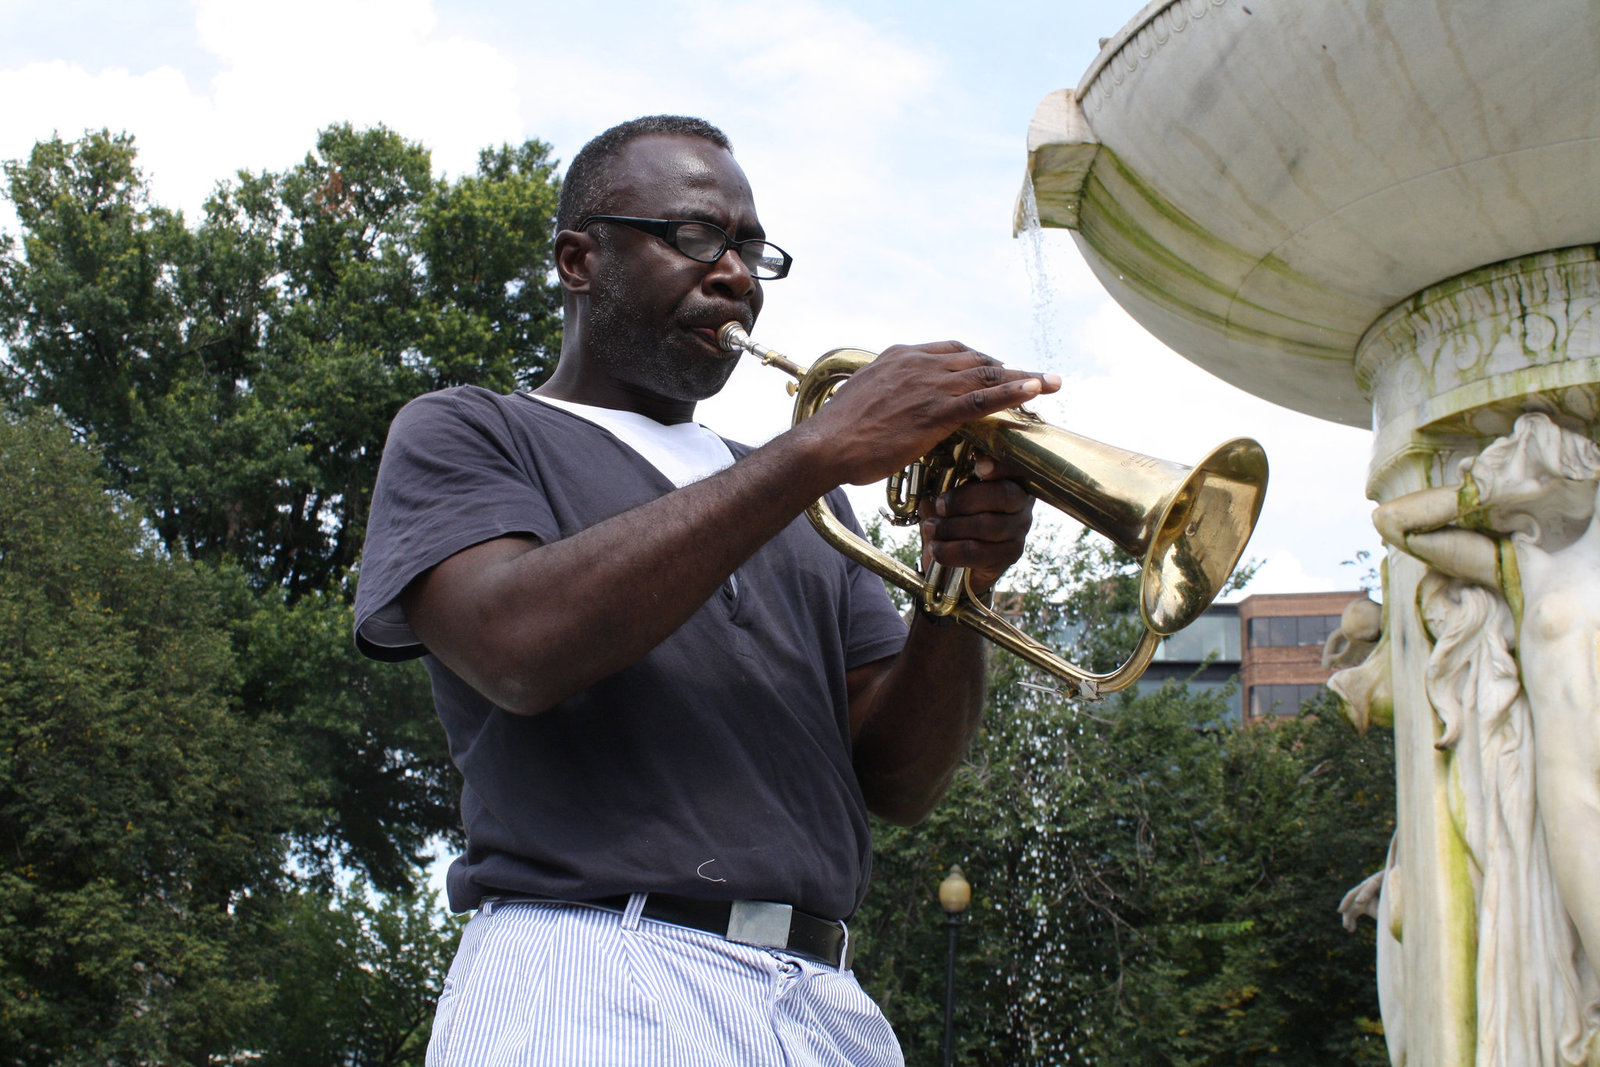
pixel 239 376
pixel 1150 886
pixel 192 755
pixel 368 757
pixel 141 819
pixel 356 979
pixel 146 913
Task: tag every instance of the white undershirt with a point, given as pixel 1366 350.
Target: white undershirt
pixel 683 452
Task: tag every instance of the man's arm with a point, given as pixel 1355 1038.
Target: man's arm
pixel 528 624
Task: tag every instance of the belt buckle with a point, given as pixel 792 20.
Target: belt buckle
pixel 760 922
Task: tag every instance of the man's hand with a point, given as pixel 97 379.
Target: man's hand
pixel 982 525
pixel 902 404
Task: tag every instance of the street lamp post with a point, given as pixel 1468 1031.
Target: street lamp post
pixel 954 896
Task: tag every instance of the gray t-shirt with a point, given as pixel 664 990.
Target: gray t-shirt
pixel 718 766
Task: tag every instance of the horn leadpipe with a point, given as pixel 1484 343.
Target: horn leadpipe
pixel 733 338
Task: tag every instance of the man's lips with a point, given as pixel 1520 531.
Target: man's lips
pixel 708 334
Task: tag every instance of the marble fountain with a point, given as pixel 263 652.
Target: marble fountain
pixel 1386 214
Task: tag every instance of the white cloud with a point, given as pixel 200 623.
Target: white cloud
pixel 285 73
pixel 64 99
pixel 300 65
pixel 829 72
pixel 1285 573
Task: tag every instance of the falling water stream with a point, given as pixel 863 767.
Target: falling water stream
pixel 1049 350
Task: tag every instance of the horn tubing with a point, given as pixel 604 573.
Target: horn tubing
pixel 1187 525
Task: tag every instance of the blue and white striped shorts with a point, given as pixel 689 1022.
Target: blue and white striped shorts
pixel 541 985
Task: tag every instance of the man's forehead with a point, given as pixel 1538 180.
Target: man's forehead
pixel 669 166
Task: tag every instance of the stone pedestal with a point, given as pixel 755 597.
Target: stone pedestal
pixel 1450 371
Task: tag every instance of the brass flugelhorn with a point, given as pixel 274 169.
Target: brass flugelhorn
pixel 1187 525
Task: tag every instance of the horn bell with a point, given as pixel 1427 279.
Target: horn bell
pixel 1187 526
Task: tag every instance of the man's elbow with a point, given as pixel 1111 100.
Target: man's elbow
pixel 903 816
pixel 531 689
pixel 526 707
pixel 507 682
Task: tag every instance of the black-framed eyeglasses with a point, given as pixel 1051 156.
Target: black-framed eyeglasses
pixel 705 243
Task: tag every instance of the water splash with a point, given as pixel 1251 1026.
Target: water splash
pixel 1042 290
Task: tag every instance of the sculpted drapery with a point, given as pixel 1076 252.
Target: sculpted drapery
pixel 1511 603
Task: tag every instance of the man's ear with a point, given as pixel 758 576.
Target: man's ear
pixel 574 256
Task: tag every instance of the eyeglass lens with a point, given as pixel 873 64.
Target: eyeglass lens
pixel 706 243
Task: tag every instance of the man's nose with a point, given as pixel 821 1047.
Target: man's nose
pixel 731 273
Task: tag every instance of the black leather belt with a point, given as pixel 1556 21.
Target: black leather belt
pixel 749 922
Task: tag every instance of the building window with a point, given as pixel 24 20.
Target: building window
pixel 1208 637
pixel 1269 700
pixel 1225 690
pixel 1287 631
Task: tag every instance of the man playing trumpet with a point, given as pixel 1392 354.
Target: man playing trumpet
pixel 672 703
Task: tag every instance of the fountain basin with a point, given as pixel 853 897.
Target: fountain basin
pixel 1259 182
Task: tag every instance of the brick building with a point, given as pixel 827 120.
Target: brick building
pixel 1271 642
pixel 1283 635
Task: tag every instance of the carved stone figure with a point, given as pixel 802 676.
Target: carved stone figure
pixel 1360 625
pixel 1512 605
pixel 1380 898
pixel 1361 647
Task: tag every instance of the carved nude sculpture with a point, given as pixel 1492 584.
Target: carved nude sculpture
pixel 1512 604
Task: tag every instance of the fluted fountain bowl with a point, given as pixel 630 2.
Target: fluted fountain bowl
pixel 1258 181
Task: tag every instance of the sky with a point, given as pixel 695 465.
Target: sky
pixel 886 143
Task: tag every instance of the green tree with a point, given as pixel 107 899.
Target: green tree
pixel 357 979
pixel 370 769
pixel 193 751
pixel 1151 886
pixel 239 376
pixel 141 818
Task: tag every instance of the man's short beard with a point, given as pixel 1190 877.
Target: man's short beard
pixel 659 359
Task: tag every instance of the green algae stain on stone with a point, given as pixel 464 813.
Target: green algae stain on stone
pixel 1172 261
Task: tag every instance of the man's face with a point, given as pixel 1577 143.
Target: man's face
pixel 653 312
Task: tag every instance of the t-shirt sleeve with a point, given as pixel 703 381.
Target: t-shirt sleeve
pixel 451 477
